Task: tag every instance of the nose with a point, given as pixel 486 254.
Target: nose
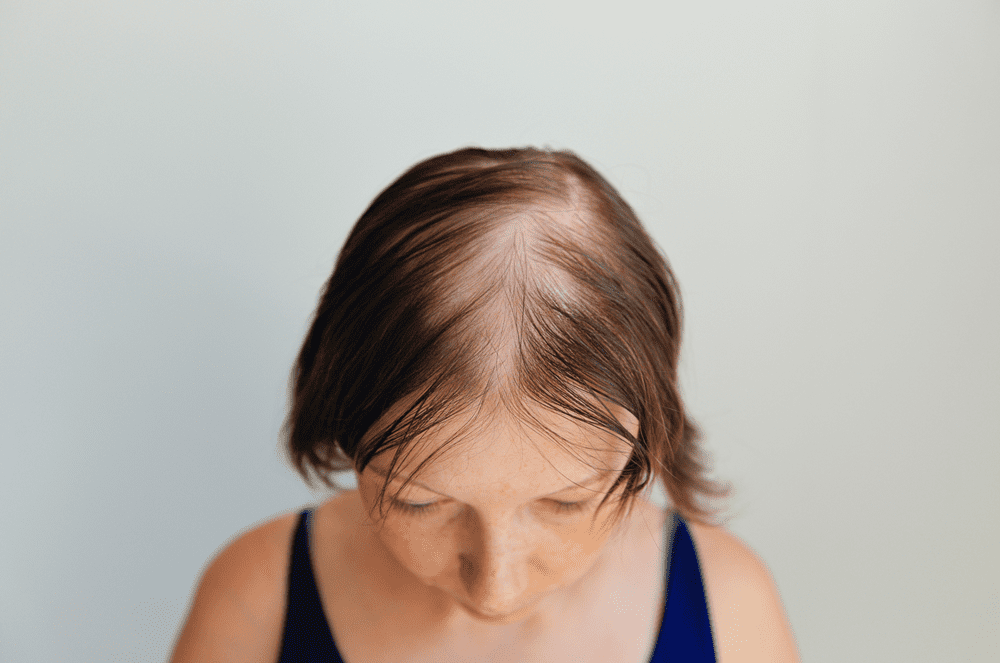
pixel 495 566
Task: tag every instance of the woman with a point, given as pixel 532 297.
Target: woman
pixel 495 356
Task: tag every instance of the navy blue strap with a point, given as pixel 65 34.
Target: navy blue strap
pixel 686 633
pixel 307 637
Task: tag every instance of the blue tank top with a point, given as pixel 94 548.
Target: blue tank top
pixel 685 633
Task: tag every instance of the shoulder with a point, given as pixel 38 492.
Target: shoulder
pixel 748 619
pixel 238 609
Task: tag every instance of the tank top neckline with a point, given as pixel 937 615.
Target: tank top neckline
pixel 684 630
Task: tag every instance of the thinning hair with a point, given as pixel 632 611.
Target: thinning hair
pixel 515 278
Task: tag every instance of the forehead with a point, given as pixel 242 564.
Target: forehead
pixel 501 455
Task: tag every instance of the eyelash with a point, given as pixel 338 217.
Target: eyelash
pixel 569 507
pixel 406 507
pixel 420 509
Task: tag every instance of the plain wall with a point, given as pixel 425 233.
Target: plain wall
pixel 177 177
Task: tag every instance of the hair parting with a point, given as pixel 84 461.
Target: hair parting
pixel 487 283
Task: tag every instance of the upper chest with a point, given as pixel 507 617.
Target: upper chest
pixel 375 618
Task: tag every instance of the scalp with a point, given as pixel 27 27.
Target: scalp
pixel 496 281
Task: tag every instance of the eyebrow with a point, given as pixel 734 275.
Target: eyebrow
pixel 589 481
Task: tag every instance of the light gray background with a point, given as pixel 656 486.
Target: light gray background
pixel 177 177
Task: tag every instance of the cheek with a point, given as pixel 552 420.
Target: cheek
pixel 424 551
pixel 572 553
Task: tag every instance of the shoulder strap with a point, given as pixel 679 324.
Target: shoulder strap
pixel 686 633
pixel 307 637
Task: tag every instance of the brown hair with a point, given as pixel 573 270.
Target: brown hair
pixel 517 275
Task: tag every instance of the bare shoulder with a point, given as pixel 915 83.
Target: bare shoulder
pixel 748 619
pixel 238 609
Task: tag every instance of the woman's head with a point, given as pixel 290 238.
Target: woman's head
pixel 495 293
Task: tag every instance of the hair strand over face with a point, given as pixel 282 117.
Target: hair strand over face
pixel 515 277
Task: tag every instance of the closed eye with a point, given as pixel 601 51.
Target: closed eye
pixel 409 507
pixel 569 507
pixel 427 507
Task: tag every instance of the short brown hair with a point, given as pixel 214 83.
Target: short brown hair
pixel 519 275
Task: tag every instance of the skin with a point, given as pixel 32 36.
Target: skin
pixel 495 571
pixel 503 532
